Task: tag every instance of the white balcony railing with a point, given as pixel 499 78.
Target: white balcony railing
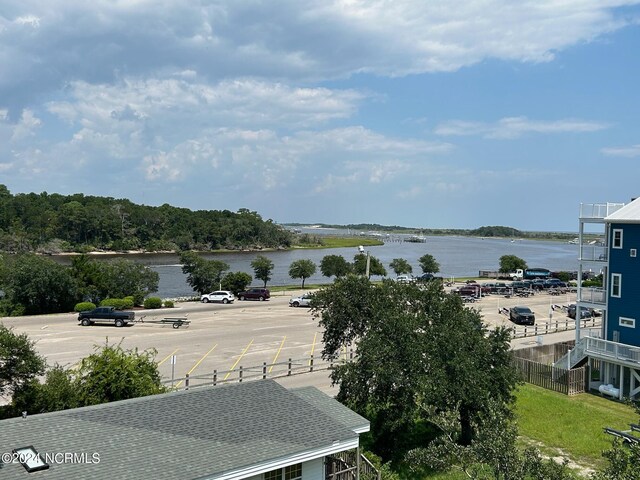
pixel 598 210
pixel 593 253
pixel 614 350
pixel 593 295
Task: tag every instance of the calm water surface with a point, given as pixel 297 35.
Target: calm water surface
pixel 457 256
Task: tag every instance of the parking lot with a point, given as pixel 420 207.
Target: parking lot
pixel 223 337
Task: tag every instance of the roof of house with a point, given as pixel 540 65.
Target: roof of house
pixel 630 213
pixel 231 431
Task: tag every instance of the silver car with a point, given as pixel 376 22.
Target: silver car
pixel 221 296
pixel 301 301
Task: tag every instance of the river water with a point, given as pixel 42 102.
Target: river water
pixel 457 256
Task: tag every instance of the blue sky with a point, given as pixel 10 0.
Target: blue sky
pixel 433 114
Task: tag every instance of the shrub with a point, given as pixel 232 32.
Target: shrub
pixel 129 302
pixel 117 303
pixel 83 306
pixel 153 302
pixel 168 303
pixel 19 310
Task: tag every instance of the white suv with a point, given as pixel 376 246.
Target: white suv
pixel 301 301
pixel 222 296
pixel 405 279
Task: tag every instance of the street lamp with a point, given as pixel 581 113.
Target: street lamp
pixel 368 264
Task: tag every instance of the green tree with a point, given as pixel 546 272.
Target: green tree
pixel 428 264
pixel 334 265
pixel 57 392
pixel 302 269
pixel 202 275
pixel 400 266
pixel 19 361
pixel 262 268
pixel 623 462
pixel 416 349
pixel 375 265
pixel 492 455
pixel 38 285
pixel 236 282
pixel 510 263
pixel 113 373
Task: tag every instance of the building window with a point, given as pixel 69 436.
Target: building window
pixel 292 472
pixel 632 253
pixel 627 322
pixel 617 238
pixel 616 285
pixel 273 475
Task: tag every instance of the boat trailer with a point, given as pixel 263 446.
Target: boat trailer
pixel 175 322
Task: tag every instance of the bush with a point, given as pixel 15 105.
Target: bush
pixel 19 310
pixel 83 306
pixel 117 303
pixel 168 304
pixel 153 302
pixel 129 302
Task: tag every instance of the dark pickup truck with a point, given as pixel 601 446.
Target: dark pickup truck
pixel 105 315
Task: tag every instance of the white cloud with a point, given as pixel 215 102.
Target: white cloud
pixel 332 182
pixel 30 20
pixel 410 193
pixel 629 152
pixel 301 39
pixel 26 126
pixel 180 103
pixel 515 127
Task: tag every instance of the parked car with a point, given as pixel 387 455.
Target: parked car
pixel 105 315
pixel 301 301
pixel 222 296
pixel 522 315
pixel 499 287
pixel 518 286
pixel 425 277
pixel 254 294
pixel 584 312
pixel 471 290
pixel 537 284
pixel 405 279
pixel 554 283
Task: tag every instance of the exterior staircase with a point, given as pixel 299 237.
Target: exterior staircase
pixel 574 356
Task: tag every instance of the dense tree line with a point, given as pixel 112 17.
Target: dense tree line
pixel 53 223
pixel 33 284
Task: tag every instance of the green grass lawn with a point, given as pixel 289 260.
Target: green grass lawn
pixel 561 425
pixel 572 424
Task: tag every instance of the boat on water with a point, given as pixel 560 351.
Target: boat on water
pixel 574 241
pixel 416 239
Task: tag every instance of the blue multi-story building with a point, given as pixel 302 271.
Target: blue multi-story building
pixel 614 349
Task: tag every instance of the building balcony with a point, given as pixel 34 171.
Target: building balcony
pixel 618 352
pixel 593 253
pixel 592 295
pixel 598 211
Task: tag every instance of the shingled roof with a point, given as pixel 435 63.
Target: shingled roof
pixel 630 213
pixel 222 432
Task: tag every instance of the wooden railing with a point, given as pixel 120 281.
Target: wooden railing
pixel 554 326
pixel 343 466
pixel 260 372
